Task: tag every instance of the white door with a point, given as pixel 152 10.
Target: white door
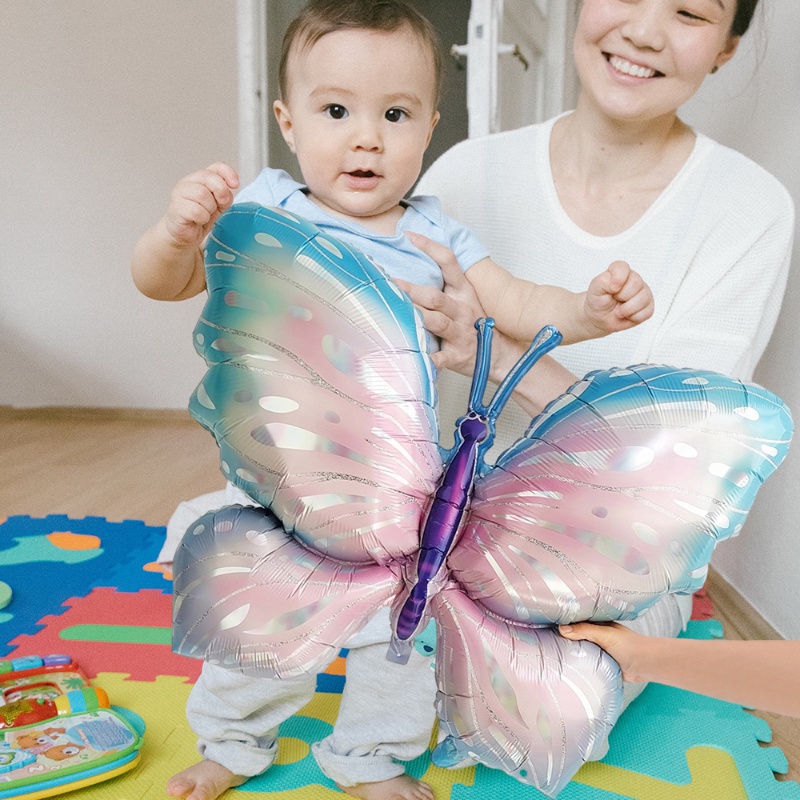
pixel 519 62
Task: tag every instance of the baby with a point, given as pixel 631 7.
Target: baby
pixel 360 83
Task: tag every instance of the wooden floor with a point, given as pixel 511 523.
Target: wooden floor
pixel 113 464
pixel 140 465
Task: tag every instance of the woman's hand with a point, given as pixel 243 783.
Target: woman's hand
pixel 627 648
pixel 449 314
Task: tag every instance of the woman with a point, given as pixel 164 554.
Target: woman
pixel 622 177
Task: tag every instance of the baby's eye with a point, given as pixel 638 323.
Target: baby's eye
pixel 335 111
pixel 396 115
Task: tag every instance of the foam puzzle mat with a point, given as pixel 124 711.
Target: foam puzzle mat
pixel 92 589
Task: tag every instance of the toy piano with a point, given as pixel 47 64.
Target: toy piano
pixel 57 733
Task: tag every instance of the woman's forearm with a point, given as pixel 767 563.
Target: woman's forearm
pixel 763 674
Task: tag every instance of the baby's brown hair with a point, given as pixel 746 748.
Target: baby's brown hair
pixel 321 17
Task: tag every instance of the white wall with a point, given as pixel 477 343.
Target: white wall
pixel 104 104
pixel 753 105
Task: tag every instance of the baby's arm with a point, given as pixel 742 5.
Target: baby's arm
pixel 762 674
pixel 616 300
pixel 168 260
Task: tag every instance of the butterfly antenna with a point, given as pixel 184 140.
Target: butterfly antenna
pixel 483 356
pixel 546 340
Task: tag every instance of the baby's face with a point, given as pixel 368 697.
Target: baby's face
pixel 359 115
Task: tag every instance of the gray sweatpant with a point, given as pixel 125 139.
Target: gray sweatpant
pixel 386 713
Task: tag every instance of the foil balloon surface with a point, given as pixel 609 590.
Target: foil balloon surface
pixel 319 389
pixel 320 393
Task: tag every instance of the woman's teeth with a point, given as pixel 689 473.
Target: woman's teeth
pixel 621 65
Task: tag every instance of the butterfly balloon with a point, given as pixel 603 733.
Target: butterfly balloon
pixel 320 393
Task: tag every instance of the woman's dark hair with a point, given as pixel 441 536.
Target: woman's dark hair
pixel 743 16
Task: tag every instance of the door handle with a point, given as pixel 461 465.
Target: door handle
pixel 513 49
pixel 460 52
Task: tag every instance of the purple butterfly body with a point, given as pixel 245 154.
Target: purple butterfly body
pixel 443 523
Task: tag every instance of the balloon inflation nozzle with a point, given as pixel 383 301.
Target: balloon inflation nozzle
pixel 399 651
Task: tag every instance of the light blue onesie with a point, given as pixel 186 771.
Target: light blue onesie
pixel 396 254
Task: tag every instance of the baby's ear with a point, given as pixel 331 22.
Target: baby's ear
pixel 284 122
pixel 434 122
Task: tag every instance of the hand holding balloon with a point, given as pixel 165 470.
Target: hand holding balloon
pixel 451 314
pixel 764 675
pixel 167 261
pixel 197 202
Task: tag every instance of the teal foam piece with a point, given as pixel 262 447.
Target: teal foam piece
pixel 304 773
pixel 34 549
pixel 490 784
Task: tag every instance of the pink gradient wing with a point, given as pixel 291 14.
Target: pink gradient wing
pixel 618 494
pixel 320 391
pixel 248 596
pixel 519 699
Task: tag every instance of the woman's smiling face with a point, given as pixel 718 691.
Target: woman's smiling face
pixel 642 59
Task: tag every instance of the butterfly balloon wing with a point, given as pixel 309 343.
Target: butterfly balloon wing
pixel 320 395
pixel 319 392
pixel 249 596
pixel 618 493
pixel 518 698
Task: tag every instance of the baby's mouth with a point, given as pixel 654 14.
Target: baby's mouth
pixel 362 173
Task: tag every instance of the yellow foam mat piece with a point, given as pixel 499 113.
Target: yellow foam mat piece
pixel 714 774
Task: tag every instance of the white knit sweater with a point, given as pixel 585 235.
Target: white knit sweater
pixel 715 248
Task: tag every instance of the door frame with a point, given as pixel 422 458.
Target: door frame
pixel 484 47
pixel 252 19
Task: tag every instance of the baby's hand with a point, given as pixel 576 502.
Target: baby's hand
pixel 617 299
pixel 197 202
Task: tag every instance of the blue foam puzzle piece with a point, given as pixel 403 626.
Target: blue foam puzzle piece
pixel 130 575
pixel 50 576
pixel 330 684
